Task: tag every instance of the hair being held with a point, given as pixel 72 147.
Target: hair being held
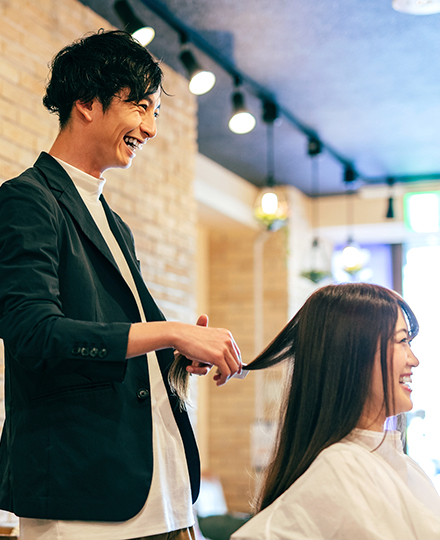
pixel 331 345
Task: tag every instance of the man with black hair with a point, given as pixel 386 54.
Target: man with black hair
pixel 95 444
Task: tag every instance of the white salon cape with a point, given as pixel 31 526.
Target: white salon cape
pixel 354 491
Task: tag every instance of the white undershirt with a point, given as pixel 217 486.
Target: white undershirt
pixel 168 506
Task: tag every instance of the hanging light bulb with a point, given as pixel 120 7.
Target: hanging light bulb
pixel 200 80
pixel 352 260
pixel 269 202
pixel 132 24
pixel 242 121
pixel 319 265
pixel 271 208
pixel 353 257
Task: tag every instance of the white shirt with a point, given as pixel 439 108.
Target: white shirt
pixel 169 503
pixel 354 490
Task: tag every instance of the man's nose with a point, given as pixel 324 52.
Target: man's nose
pixel 149 127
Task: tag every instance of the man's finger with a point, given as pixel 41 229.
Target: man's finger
pixel 203 320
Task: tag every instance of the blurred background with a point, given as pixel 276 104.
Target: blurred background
pixel 330 173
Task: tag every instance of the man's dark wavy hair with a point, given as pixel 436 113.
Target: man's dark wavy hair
pixel 99 66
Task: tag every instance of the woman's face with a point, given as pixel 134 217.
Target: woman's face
pixel 404 361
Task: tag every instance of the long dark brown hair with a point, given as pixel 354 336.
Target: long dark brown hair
pixel 331 344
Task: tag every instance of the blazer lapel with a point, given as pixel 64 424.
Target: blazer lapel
pixel 65 192
pixel 151 310
pixel 67 195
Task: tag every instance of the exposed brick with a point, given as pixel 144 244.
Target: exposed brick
pixel 32 32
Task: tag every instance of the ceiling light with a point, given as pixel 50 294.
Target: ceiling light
pixel 133 25
pixel 417 7
pixel 352 258
pixel 200 81
pixel 242 121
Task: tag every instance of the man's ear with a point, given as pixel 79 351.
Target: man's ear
pixel 86 110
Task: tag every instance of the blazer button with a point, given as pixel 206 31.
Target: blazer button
pixel 85 351
pixel 142 393
pixel 102 353
pixel 76 350
pixel 93 352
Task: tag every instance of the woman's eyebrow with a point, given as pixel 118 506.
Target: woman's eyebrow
pixel 402 330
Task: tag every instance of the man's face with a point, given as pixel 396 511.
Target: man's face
pixel 122 129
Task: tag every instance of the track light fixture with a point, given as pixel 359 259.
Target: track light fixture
pixel 314 146
pixel 390 209
pixel 242 121
pixel 270 112
pixel 200 80
pixel 349 174
pixel 132 24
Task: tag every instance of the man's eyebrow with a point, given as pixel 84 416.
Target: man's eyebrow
pixel 148 98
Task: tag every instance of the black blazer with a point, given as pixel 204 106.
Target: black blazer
pixel 77 439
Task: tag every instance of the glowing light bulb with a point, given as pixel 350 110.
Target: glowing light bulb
pixel 202 82
pixel 144 35
pixel 269 203
pixel 351 257
pixel 242 122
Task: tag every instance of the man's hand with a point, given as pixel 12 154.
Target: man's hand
pixel 200 368
pixel 202 346
pixel 207 347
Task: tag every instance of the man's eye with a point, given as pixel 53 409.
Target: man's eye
pixel 156 114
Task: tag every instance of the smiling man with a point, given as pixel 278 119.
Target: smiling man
pixel 95 444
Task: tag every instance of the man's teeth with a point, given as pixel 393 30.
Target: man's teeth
pixel 134 143
pixel 405 379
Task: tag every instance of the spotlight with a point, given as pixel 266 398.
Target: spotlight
pixel 314 146
pixel 349 174
pixel 242 121
pixel 133 25
pixel 200 81
pixel 270 112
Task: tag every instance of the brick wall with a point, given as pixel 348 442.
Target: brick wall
pixel 232 408
pixel 155 196
pixel 245 411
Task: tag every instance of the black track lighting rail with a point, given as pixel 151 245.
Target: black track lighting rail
pixel 189 34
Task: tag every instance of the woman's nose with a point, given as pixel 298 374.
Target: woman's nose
pixel 413 360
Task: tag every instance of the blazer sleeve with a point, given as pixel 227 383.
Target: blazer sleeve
pixel 33 325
